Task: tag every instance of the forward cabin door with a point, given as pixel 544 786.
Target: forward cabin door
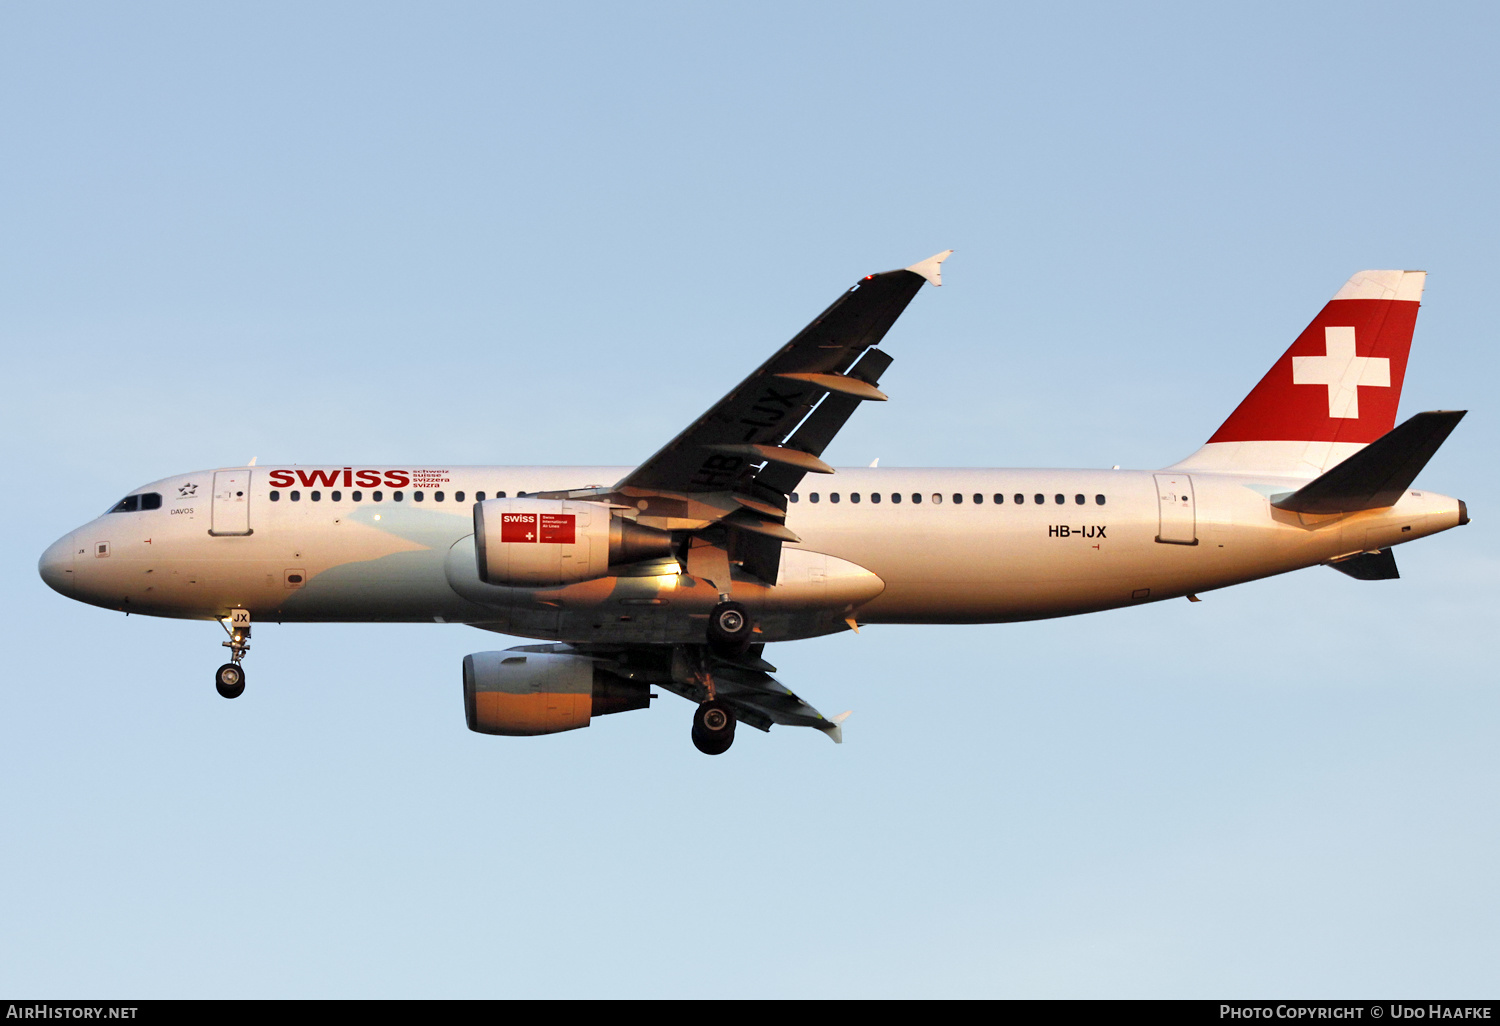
pixel 1179 518
pixel 231 514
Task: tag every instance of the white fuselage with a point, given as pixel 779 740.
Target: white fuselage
pixel 319 554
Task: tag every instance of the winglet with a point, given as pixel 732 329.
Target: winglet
pixel 932 267
pixel 835 727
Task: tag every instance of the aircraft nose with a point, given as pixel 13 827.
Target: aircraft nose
pixel 56 565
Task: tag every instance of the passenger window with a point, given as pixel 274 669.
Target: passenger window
pixel 1078 499
pixel 335 496
pixel 812 496
pixel 999 498
pixel 833 497
pixel 275 496
pixel 478 496
pixel 957 498
pixel 458 496
pixel 1041 500
pixel 357 496
pixel 416 496
pixel 937 499
pixel 853 496
pixel 377 496
pixel 916 496
pixel 1059 498
pixel 795 497
pixel 501 495
pixel 316 496
pixel 978 499
pixel 1020 499
pixel 295 495
pixel 875 497
pixel 895 496
pixel 396 496
pixel 1098 500
pixel 437 496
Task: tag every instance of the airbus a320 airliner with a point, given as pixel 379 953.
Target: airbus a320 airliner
pixel 675 574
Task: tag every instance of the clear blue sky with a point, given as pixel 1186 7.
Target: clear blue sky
pixel 479 233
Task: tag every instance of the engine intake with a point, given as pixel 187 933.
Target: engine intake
pixel 521 694
pixel 540 542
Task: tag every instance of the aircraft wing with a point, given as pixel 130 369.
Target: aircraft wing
pixel 728 475
pixel 755 426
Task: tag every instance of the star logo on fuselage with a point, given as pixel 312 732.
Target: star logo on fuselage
pixel 187 490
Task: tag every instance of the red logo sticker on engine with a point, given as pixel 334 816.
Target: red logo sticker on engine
pixel 518 527
pixel 557 528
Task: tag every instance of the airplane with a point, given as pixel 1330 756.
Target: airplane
pixel 676 573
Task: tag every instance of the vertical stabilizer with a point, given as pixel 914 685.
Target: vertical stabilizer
pixel 1333 392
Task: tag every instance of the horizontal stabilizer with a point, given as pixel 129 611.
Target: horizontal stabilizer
pixel 1379 474
pixel 1369 566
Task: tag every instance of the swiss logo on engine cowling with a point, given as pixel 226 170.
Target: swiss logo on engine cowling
pixel 546 528
pixel 518 527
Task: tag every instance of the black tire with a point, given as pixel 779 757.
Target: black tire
pixel 229 680
pixel 711 747
pixel 730 629
pixel 713 728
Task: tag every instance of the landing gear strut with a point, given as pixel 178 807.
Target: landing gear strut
pixel 713 728
pixel 229 679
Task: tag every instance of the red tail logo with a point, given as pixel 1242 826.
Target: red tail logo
pixel 1341 379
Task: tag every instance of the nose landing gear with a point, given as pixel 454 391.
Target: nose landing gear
pixel 229 679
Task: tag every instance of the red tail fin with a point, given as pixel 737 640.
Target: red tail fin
pixel 1334 390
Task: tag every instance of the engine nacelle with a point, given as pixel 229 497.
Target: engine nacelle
pixel 541 542
pixel 524 693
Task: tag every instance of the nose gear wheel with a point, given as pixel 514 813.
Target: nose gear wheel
pixel 229 679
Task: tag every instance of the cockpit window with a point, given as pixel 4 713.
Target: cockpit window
pixel 136 503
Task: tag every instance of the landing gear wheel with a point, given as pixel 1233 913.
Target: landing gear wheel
pixel 730 629
pixel 230 680
pixel 713 728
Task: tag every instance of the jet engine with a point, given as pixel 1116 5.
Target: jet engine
pixel 542 542
pixel 521 693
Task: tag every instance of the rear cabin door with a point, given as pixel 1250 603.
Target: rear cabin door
pixel 1179 518
pixel 231 502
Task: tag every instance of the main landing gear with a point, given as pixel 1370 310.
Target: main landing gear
pixel 229 679
pixel 730 629
pixel 713 728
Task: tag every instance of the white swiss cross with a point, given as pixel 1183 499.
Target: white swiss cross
pixel 1342 372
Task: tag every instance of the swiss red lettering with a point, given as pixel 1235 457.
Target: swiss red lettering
pixel 397 479
pixel 367 478
pixel 312 478
pixel 282 479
